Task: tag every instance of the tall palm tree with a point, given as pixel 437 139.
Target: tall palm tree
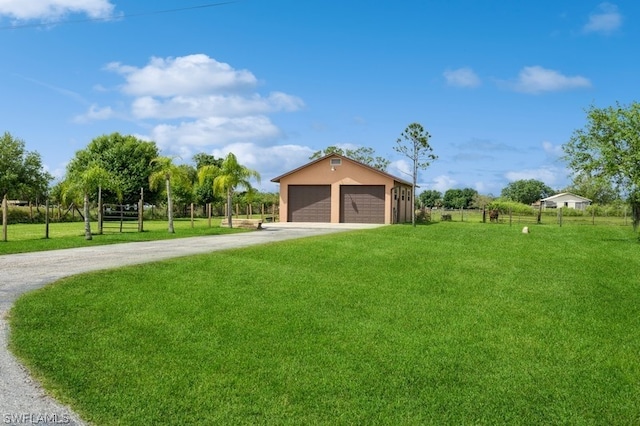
pixel 166 171
pixel 231 175
pixel 85 182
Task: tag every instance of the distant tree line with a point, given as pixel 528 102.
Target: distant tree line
pixel 524 191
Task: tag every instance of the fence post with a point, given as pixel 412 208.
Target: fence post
pixel 540 213
pixel 560 216
pixel 140 215
pixel 209 214
pixel 5 217
pixel 510 216
pixel 141 211
pixel 191 215
pixel 99 210
pixel 46 219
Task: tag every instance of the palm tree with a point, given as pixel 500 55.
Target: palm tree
pixel 206 175
pixel 85 182
pixel 166 172
pixel 227 178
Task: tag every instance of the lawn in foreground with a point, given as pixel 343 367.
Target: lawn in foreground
pixel 441 324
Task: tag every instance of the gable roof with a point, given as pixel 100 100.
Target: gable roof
pixel 572 196
pixel 373 169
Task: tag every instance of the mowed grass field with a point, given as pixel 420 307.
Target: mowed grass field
pixel 23 238
pixel 450 323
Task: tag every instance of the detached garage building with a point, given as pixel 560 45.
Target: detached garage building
pixel 337 189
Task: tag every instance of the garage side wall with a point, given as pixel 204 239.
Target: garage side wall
pixel 347 173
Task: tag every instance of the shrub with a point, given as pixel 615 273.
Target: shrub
pixel 423 216
pixel 504 207
pixel 23 215
pixel 566 211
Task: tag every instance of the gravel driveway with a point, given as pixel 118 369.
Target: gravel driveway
pixel 22 400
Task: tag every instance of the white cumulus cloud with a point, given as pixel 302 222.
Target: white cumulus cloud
pixel 213 131
pixel 186 75
pixel 193 103
pixel 53 10
pixel 442 183
pixel 401 169
pixel 462 77
pixel 95 113
pixel 271 161
pixel 605 20
pixel 552 150
pixel 548 175
pixel 213 105
pixel 536 79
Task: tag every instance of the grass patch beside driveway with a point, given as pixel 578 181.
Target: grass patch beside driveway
pixel 441 324
pixel 27 238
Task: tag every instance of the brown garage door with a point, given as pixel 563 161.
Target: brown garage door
pixel 309 203
pixel 362 204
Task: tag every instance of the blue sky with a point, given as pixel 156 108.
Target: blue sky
pixel 500 85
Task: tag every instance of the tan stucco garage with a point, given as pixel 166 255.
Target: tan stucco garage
pixel 337 189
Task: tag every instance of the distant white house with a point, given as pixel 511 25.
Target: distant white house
pixel 566 199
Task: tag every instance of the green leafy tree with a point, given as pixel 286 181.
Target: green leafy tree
pixel 331 149
pixel 202 159
pixel 183 189
pixel 479 201
pixel 22 175
pixel 413 143
pixel 364 155
pixel 227 178
pixel 203 190
pixel 599 190
pixel 430 198
pixel 459 198
pixel 87 182
pixel 206 176
pixel 468 194
pixel 608 148
pixel 126 158
pixel 165 171
pixel 526 191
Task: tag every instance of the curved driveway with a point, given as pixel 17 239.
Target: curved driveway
pixel 22 400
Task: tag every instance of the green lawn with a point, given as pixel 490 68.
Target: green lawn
pixel 451 323
pixel 23 238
